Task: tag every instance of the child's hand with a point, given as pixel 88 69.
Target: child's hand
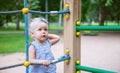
pixel 46 63
pixel 53 38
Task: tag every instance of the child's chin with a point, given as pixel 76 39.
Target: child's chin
pixel 43 39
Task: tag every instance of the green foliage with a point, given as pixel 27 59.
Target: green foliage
pixel 113 11
pixel 105 2
pixel 108 3
pixel 91 10
pixel 9 6
pixel 85 7
pixel 34 4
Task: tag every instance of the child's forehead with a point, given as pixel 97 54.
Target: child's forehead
pixel 42 25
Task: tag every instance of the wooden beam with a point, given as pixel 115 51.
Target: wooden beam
pixel 72 42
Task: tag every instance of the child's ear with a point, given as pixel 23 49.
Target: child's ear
pixel 32 34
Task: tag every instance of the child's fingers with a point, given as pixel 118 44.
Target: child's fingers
pixel 46 63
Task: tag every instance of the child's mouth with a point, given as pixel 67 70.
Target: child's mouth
pixel 43 35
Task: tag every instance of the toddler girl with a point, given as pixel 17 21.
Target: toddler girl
pixel 40 48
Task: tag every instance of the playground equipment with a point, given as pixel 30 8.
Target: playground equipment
pixel 72 43
pixel 90 69
pixel 72 25
pixel 27 63
pixel 98 28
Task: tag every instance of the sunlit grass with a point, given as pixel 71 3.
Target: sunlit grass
pixel 10 43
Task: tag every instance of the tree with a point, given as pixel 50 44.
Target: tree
pixel 4 7
pixel 96 10
pixel 113 12
pixel 10 6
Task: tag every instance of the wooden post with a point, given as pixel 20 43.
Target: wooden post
pixel 72 42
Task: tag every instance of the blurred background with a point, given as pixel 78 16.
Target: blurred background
pixel 98 49
pixel 94 12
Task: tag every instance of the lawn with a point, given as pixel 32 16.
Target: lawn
pixel 10 43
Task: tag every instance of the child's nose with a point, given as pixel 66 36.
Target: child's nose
pixel 43 31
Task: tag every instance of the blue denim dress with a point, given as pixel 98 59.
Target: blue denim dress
pixel 43 52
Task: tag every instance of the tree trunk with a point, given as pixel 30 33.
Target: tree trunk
pixel 17 16
pixel 101 15
pixel 1 22
pixel 7 20
pixel 17 22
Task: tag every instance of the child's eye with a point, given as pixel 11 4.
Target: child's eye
pixel 39 29
pixel 45 29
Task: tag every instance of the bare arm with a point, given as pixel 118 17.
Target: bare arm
pixel 32 57
pixel 53 38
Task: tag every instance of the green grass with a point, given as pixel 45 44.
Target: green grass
pixel 55 27
pixel 10 43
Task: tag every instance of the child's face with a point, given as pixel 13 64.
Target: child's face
pixel 40 32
